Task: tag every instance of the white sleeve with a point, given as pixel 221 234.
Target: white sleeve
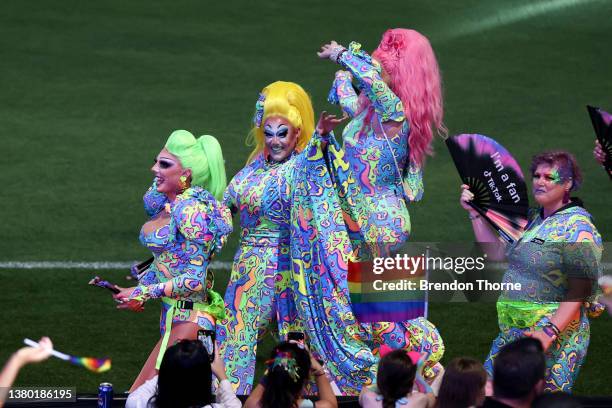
pixel 226 396
pixel 141 395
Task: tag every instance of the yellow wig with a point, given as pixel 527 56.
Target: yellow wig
pixel 287 100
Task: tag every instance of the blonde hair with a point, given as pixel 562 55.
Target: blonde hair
pixel 287 100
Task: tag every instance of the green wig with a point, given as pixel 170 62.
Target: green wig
pixel 203 157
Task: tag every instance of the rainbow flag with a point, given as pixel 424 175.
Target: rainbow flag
pixel 391 296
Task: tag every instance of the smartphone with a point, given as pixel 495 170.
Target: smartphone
pixel 296 336
pixel 97 281
pixel 207 338
pixel 137 270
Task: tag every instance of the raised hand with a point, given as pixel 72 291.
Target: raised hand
pixel 599 153
pixel 330 51
pixel 123 298
pixel 27 355
pixel 328 122
pixel 466 197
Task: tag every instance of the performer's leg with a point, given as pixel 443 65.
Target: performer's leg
pixel 285 309
pixel 566 355
pixel 500 341
pixel 248 302
pixel 180 331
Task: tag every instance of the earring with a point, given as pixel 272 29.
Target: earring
pixel 566 196
pixel 183 183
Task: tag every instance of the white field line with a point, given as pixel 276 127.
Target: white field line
pixel 514 14
pixel 87 265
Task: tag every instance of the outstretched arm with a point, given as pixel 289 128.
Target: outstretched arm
pixel 22 357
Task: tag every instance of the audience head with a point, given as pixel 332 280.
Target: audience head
pixel 288 370
pixel 463 384
pixel 519 369
pixel 396 372
pixel 184 377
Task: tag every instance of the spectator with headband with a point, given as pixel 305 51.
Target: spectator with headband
pixel 288 370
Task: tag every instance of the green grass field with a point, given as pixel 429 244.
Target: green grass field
pixel 91 90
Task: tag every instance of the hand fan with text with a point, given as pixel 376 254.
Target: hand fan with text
pixel 495 178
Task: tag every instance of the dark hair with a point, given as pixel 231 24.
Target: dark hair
pixel 395 377
pixel 287 374
pixel 565 161
pixel 463 384
pixel 185 377
pixel 556 400
pixel 517 369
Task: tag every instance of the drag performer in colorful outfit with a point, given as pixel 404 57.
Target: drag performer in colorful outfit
pixel 290 269
pixel 557 262
pixel 188 226
pixel 386 143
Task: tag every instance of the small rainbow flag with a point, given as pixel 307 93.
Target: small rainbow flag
pixel 97 365
pixel 391 296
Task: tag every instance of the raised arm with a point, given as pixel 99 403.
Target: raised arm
pixel 343 93
pixel 483 232
pixel 368 75
pixel 22 357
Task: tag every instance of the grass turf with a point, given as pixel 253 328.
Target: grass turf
pixel 90 91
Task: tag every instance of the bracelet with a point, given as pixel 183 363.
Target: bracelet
pixel 318 373
pixel 474 217
pixel 336 53
pixel 550 332
pixel 554 328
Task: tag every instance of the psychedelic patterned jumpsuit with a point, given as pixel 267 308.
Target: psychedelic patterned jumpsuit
pixel 542 261
pixel 258 284
pixel 380 163
pixel 291 258
pixel 196 228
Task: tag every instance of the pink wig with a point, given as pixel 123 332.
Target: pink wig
pixel 408 59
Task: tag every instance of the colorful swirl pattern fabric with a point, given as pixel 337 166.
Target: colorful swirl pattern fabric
pixel 382 169
pixel 376 160
pixel 320 251
pixel 196 228
pixel 290 269
pixel 542 261
pixel 257 295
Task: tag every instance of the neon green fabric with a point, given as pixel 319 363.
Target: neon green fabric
pixel 522 314
pixel 215 307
